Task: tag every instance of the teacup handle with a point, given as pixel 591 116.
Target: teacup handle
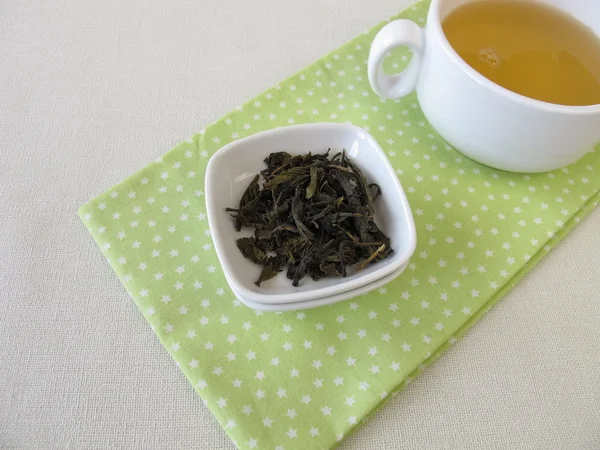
pixel 399 33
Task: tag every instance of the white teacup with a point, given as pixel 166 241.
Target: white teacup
pixel 483 120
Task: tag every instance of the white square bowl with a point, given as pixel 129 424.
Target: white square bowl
pixel 231 170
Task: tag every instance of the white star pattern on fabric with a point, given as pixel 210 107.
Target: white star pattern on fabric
pixel 267 422
pixel 292 433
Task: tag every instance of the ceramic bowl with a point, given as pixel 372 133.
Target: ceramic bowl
pixel 322 301
pixel 230 171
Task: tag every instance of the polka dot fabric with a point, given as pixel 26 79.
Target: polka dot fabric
pixel 307 379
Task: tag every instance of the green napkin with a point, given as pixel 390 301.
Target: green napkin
pixel 307 379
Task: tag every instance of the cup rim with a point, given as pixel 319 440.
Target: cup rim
pixel 433 19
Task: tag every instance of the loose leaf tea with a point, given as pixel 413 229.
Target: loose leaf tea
pixel 312 216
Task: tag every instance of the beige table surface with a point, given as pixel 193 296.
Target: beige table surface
pixel 91 91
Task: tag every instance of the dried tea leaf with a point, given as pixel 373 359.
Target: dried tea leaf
pixel 311 189
pixel 364 263
pixel 297 215
pixel 312 216
pixel 266 274
pixel 251 251
pixel 294 175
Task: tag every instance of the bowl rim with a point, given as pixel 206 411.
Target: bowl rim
pixel 344 285
pixel 322 301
